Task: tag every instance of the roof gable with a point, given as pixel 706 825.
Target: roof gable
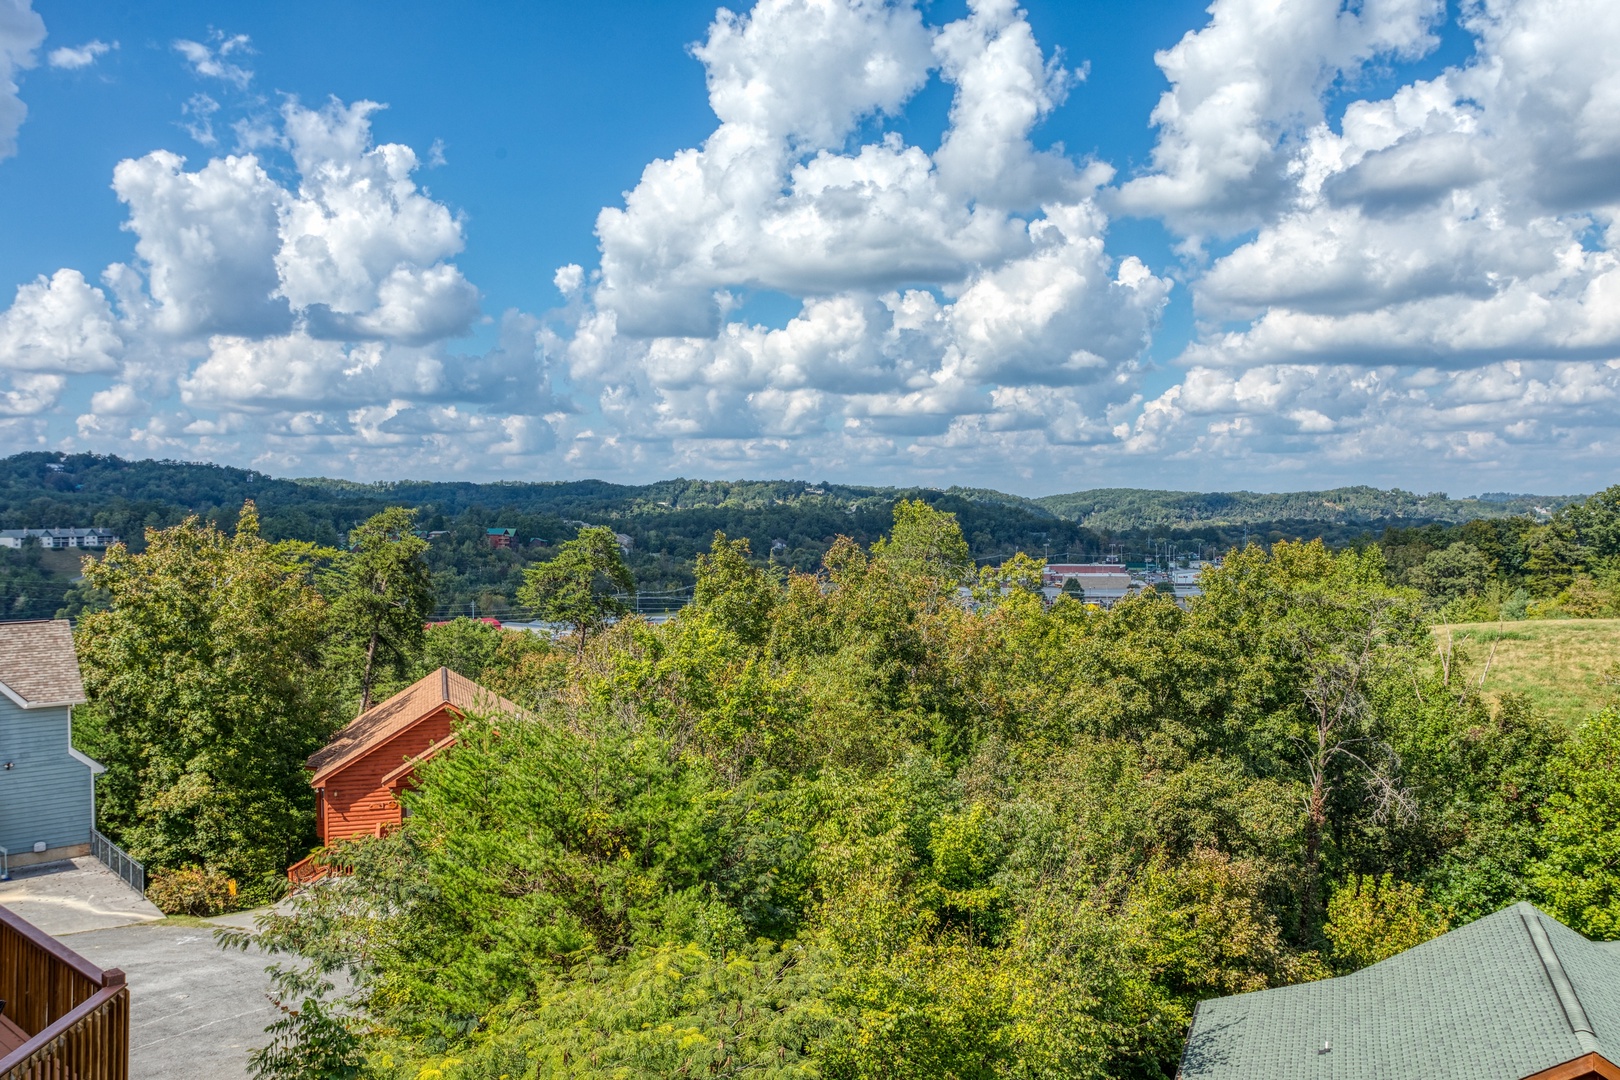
pixel 383 721
pixel 38 665
pixel 1510 995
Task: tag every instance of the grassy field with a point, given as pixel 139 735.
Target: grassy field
pixel 63 564
pixel 1560 664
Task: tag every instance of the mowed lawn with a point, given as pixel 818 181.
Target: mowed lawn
pixel 1559 664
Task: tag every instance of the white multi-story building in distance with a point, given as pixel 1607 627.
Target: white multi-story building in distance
pixel 59 539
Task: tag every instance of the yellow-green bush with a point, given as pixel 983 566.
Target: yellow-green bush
pixel 192 891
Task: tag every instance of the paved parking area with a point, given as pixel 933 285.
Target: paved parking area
pixel 195 1009
pixel 72 896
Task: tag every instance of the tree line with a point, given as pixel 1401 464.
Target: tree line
pixel 790 524
pixel 1567 566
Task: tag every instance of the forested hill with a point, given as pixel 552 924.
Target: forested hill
pixel 676 518
pixel 790 522
pixel 51 489
pixel 1130 509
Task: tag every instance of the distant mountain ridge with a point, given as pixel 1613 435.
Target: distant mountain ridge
pixel 1125 509
pixel 36 485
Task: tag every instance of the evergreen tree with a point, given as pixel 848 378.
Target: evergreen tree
pixel 382 595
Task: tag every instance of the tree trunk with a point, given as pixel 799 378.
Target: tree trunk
pixel 365 679
pixel 1316 817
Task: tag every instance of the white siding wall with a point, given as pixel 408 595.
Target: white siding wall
pixel 45 794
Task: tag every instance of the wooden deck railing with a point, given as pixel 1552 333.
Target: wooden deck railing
pixel 75 1016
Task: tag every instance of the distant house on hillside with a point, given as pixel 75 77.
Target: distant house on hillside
pixel 486 620
pixel 47 788
pixel 1514 996
pixel 60 539
pixel 360 774
pixel 500 538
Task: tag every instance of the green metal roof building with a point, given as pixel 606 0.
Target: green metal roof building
pixel 1514 996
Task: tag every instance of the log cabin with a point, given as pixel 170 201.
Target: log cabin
pixel 359 775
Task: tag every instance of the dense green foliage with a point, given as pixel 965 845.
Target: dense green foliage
pixel 842 825
pixel 208 689
pixel 382 596
pixel 791 524
pixel 217 665
pixel 1580 874
pixel 581 584
pixel 1127 509
pixel 1567 566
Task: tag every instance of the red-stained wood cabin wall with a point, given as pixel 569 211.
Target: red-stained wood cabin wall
pixel 354 800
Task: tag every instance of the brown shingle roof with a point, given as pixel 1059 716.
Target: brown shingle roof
pixel 386 719
pixel 38 665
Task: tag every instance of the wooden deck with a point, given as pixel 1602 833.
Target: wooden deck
pixel 11 1037
pixel 62 1015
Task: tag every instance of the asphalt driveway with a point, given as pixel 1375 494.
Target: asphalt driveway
pixel 195 1009
pixel 75 895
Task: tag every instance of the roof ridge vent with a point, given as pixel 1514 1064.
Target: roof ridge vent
pixel 1574 1012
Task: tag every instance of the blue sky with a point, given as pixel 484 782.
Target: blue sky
pixel 1270 244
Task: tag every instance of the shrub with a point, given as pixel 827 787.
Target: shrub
pixel 1374 918
pixel 192 891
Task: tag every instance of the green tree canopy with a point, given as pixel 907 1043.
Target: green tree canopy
pixel 853 825
pixel 578 585
pixel 382 595
pixel 1452 573
pixel 1579 877
pixel 924 542
pixel 207 692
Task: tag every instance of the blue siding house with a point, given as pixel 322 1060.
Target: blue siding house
pixel 47 788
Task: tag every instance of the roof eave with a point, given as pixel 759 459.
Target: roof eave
pixel 23 703
pixel 331 769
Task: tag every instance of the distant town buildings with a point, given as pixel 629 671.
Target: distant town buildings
pixel 1099 583
pixel 59 539
pixel 1107 583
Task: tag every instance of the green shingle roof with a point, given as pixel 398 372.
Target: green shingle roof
pixel 1499 999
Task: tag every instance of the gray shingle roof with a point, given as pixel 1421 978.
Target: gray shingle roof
pixel 1502 998
pixel 38 665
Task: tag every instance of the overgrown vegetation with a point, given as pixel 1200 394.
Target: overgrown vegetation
pixel 843 825
pixel 1566 668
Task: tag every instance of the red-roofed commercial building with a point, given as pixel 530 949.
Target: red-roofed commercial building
pixel 1101 583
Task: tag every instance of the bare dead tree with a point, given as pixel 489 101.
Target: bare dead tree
pixel 1342 736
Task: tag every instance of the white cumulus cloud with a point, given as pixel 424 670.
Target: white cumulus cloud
pixel 927 284
pixel 21 31
pixel 1391 278
pixel 74 57
pixel 1246 86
